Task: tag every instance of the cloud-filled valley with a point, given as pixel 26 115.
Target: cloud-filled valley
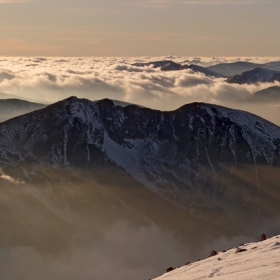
pixel 54 237
pixel 47 80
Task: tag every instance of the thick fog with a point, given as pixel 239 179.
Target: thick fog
pixel 123 252
pixel 47 235
pixel 40 240
pixel 47 80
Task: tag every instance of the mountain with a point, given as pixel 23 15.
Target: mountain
pixel 164 65
pixel 13 107
pixel 274 65
pixel 233 68
pixel 270 94
pixel 257 75
pixel 83 180
pixel 209 161
pixel 169 65
pixel 255 260
pixel 205 71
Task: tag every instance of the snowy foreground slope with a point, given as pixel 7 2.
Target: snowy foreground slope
pixel 261 260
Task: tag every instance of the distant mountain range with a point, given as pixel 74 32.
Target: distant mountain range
pixel 271 94
pixel 234 68
pixel 13 107
pixel 169 65
pixel 164 65
pixel 240 72
pixel 256 75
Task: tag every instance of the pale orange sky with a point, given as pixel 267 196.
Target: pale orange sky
pixel 139 27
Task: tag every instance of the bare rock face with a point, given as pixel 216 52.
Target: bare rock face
pixel 213 253
pixel 263 237
pixel 169 269
pixel 240 250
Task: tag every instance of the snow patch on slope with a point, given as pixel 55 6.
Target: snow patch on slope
pixel 260 260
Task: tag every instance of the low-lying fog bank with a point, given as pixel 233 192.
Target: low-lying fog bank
pixel 62 230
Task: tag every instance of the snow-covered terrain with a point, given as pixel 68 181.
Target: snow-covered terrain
pixel 256 75
pixel 256 260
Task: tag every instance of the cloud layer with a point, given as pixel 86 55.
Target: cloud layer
pixel 51 79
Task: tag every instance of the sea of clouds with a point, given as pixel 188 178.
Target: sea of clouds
pixel 49 79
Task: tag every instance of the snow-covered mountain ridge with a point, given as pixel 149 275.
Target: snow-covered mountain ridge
pixel 194 157
pixel 256 75
pixel 258 260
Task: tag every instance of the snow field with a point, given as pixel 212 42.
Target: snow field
pixel 261 260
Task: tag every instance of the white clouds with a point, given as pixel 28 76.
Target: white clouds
pixel 51 79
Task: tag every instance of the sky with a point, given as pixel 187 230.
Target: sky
pixel 139 27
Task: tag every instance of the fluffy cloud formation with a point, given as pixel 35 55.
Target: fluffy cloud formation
pixel 51 79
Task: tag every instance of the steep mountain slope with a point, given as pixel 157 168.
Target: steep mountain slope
pixel 210 161
pixel 13 107
pixel 257 75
